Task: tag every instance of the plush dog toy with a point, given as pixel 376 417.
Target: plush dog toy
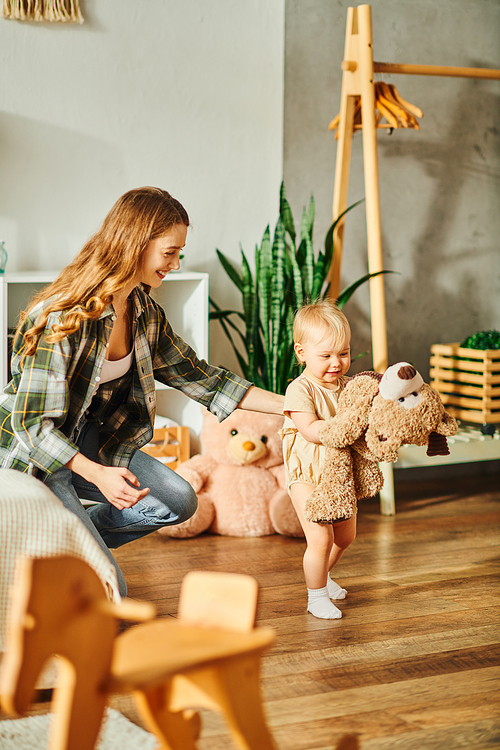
pixel 376 415
pixel 239 479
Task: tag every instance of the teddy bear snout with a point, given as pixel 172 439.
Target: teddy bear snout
pixel 246 449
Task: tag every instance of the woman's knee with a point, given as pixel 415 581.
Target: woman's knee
pixel 187 501
pixel 174 495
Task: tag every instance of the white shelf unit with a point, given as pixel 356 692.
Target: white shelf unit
pixel 183 296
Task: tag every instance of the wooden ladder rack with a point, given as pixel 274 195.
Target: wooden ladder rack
pixel 358 80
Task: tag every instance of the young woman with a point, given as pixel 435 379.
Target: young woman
pixel 86 354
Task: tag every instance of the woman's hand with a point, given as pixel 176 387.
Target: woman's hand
pixel 115 484
pixel 118 485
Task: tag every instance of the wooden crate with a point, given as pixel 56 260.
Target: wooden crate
pixel 170 445
pixel 468 381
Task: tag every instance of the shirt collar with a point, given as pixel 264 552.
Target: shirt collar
pixel 137 306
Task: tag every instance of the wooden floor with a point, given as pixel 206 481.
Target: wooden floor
pixel 415 661
pixel 414 664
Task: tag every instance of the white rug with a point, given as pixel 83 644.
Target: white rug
pixel 117 733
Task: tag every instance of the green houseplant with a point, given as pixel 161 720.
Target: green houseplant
pixel 288 274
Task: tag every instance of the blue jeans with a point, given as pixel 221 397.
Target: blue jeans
pixel 171 499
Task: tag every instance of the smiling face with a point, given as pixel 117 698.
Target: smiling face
pixel 161 256
pixel 326 358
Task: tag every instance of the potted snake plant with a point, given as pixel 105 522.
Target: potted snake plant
pixel 288 273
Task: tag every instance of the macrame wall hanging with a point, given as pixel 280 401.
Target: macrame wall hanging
pixel 43 10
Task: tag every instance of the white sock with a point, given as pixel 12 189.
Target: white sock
pixel 319 604
pixel 334 590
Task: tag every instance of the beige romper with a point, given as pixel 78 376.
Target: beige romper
pixel 304 460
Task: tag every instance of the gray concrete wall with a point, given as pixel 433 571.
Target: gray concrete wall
pixel 439 186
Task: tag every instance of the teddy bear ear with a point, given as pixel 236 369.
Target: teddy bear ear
pixel 437 445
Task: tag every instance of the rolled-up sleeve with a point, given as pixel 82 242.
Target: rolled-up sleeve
pixel 176 364
pixel 41 406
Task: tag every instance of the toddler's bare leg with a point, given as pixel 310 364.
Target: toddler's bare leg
pixel 344 533
pixel 320 540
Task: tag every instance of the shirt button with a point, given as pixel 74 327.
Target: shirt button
pixel 113 317
pixel 107 346
pixel 97 379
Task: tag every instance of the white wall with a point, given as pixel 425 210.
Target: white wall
pixel 185 95
pixel 440 186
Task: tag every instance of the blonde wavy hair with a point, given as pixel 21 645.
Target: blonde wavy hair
pixel 318 320
pixel 107 261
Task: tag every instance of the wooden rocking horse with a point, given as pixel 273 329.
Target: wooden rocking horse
pixel 209 657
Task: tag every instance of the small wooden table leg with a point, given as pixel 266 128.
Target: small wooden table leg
pixel 240 701
pixel 177 730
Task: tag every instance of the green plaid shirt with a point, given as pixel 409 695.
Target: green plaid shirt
pixel 42 406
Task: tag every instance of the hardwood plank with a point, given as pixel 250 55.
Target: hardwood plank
pixel 355 614
pixel 411 627
pixel 364 654
pixel 319 734
pixel 383 671
pixel 473 570
pixel 442 712
pixel 385 696
pixel 479 735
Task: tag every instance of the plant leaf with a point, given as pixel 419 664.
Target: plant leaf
pixel 231 270
pixel 264 290
pixel 249 305
pixel 277 286
pixel 307 268
pixel 347 293
pixel 225 321
pixel 312 216
pixel 218 314
pixel 286 214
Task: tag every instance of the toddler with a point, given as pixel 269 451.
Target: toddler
pixel 322 338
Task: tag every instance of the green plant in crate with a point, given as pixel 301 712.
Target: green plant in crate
pixel 482 340
pixel 288 274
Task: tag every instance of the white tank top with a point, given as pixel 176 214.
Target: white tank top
pixel 112 369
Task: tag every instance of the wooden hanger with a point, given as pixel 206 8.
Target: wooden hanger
pixel 389 105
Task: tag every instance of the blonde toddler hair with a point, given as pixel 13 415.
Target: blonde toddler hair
pixel 318 320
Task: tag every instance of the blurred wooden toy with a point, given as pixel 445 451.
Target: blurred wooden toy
pixel 209 657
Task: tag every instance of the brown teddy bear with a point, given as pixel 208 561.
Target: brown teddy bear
pixel 376 415
pixel 239 479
